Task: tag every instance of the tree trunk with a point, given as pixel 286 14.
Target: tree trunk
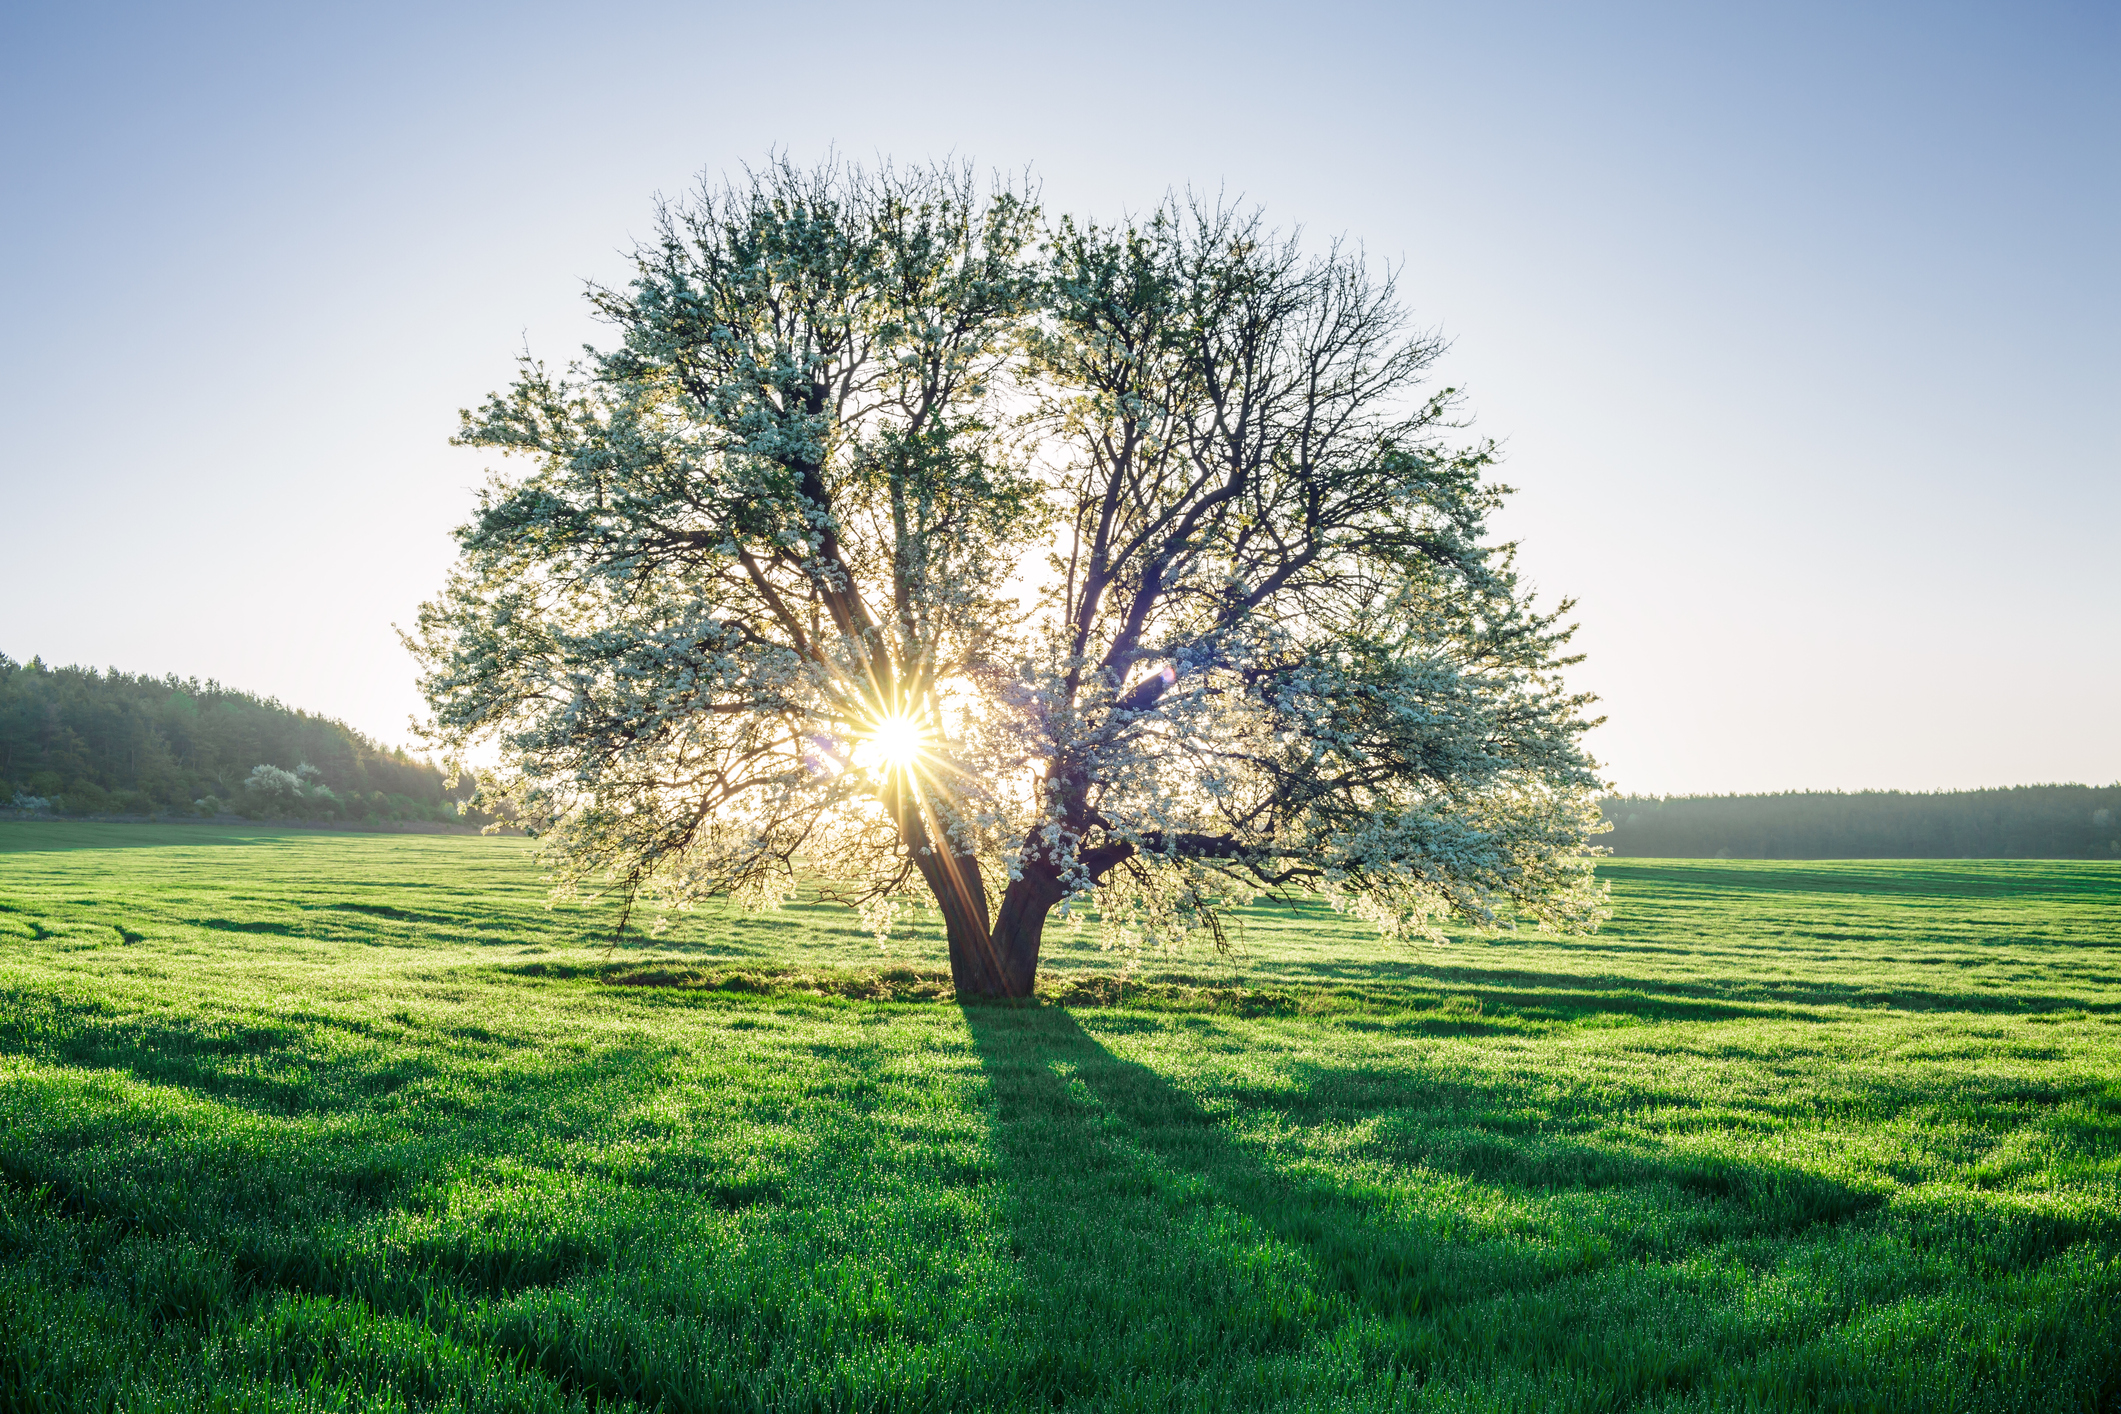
pixel 975 969
pixel 954 879
pixel 1020 925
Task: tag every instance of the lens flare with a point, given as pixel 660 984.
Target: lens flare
pixel 895 743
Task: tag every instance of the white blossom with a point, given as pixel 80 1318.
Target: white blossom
pixel 1125 573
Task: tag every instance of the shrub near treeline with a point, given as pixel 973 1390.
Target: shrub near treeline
pixel 78 742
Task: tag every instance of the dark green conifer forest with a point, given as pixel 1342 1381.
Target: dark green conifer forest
pixel 2021 822
pixel 75 741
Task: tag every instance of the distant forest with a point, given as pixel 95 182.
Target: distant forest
pixel 2021 822
pixel 74 741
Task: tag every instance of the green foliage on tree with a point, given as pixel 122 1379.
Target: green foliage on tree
pixel 75 741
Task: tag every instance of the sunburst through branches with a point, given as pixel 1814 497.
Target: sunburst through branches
pixel 762 604
pixel 895 744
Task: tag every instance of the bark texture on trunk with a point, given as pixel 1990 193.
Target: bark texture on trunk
pixel 1021 927
pixel 1001 960
pixel 960 893
pixel 1020 924
pixel 975 968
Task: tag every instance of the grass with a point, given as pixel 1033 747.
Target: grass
pixel 300 1121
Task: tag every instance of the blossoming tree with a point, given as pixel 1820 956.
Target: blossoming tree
pixel 910 544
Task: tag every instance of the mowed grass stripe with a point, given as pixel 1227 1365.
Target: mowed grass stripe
pixel 1780 1136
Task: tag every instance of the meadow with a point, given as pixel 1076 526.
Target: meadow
pixel 343 1122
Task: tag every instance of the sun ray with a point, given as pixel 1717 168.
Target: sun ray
pixel 896 742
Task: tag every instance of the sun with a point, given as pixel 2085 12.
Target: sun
pixel 896 741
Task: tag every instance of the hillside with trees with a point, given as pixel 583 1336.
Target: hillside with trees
pixel 75 741
pixel 2020 822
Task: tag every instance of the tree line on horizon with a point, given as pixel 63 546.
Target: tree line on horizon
pixel 2015 822
pixel 75 741
pixel 78 742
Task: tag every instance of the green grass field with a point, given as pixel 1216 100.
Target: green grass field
pixel 294 1121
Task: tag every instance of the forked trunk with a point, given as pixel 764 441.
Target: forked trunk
pixel 975 968
pixel 997 962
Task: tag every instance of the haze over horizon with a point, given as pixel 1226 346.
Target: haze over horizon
pixel 1796 327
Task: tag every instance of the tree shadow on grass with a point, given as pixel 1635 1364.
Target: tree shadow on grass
pixel 1158 1257
pixel 1124 1189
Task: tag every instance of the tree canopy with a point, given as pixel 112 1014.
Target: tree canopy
pixel 913 540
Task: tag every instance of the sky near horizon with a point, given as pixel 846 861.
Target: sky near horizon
pixel 1796 323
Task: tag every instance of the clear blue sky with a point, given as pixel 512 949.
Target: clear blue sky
pixel 1798 325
